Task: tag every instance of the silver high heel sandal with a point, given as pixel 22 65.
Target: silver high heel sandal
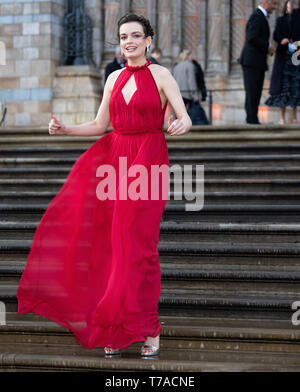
pixel 154 350
pixel 112 351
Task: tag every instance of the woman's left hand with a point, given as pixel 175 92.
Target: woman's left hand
pixel 175 127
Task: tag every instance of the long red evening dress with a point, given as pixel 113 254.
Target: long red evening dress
pixel 93 266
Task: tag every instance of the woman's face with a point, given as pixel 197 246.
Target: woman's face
pixel 288 7
pixel 132 40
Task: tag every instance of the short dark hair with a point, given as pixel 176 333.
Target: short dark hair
pixel 148 30
pixel 156 50
pixel 296 4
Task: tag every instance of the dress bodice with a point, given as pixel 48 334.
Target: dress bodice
pixel 135 105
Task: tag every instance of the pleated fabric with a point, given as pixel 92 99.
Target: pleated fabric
pixel 93 266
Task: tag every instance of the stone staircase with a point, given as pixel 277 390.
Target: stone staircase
pixel 230 271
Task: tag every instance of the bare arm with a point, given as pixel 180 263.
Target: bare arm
pixel 93 128
pixel 171 90
pixel 168 113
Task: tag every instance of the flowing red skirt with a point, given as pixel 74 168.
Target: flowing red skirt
pixel 93 267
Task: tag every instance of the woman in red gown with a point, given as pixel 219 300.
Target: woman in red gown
pixel 93 266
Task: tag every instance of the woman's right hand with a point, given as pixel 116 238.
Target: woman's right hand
pixel 176 127
pixel 56 126
pixel 284 41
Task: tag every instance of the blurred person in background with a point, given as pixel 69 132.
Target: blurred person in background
pixel 189 76
pixel 254 56
pixel 155 55
pixel 197 113
pixel 118 63
pixel 185 75
pixel 285 80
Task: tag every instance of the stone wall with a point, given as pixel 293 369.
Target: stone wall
pixel 32 33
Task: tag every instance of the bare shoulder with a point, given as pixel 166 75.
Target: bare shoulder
pixel 117 72
pixel 162 75
pixel 112 77
pixel 159 70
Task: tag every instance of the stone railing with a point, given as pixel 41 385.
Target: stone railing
pixel 210 93
pixel 210 96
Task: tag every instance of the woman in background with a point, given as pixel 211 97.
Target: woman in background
pixel 285 80
pixel 185 75
pixel 190 78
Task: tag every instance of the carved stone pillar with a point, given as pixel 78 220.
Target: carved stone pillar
pixel 237 33
pixel 249 7
pixel 214 42
pixel 124 6
pixel 176 28
pixel 151 14
pixel 190 25
pixel 95 11
pixel 202 34
pixel 139 7
pixel 111 17
pixel 164 29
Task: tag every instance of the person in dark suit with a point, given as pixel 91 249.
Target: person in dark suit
pixel 118 63
pixel 253 58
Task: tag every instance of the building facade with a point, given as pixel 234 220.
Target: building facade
pixel 34 80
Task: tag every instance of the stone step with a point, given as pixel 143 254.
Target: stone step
pixel 240 134
pixel 180 150
pixel 194 248
pixel 40 159
pixel 209 172
pixel 177 198
pixel 228 149
pixel 209 185
pixel 187 248
pixel 239 255
pixel 58 358
pixel 196 276
pixel 227 214
pixel 216 303
pixel 190 232
pixel 260 269
pixel 235 262
pixel 178 333
pixel 205 268
pixel 237 233
pixel 250 211
pixel 241 262
pixel 268 304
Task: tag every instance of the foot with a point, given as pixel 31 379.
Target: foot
pixel 151 346
pixel 281 121
pixel 111 351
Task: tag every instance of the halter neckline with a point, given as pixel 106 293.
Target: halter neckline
pixel 137 67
